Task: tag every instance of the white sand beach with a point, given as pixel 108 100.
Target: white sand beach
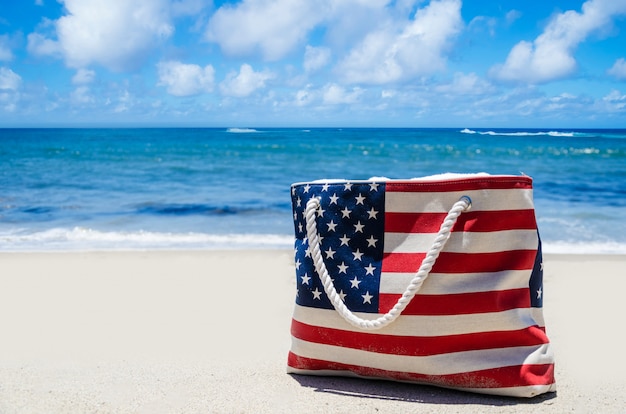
pixel 208 332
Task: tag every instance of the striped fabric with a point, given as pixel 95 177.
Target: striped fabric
pixel 476 324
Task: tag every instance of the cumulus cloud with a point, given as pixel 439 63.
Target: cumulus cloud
pixel 9 80
pixel 336 94
pixel 183 79
pixel 272 28
pixel 83 76
pixel 398 52
pixel 550 56
pixel 615 100
pixel 81 96
pixel 618 70
pixel 316 58
pixel 116 34
pixel 465 84
pixel 245 82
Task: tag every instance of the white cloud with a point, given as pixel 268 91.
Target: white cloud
pixel 183 79
pixel 83 76
pixel 335 94
pixel 40 45
pixel 393 53
pixel 81 96
pixel 316 58
pixel 550 56
pixel 272 28
pixel 466 84
pixel 245 82
pixel 304 97
pixel 5 50
pixel 615 100
pixel 512 16
pixel 117 34
pixel 9 80
pixel 188 7
pixel 618 70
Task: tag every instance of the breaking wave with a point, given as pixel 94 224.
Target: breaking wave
pixel 519 133
pixel 241 130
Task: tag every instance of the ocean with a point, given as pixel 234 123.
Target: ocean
pixel 229 188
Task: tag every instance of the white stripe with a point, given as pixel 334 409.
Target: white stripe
pixel 463 242
pixel 440 202
pixel 444 283
pixel 409 325
pixel 444 364
pixel 527 391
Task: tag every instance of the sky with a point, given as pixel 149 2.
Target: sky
pixel 306 63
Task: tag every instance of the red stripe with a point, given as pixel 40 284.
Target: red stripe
pixel 476 221
pixel 415 345
pixel 459 303
pixel 504 377
pixel 487 183
pixel 449 262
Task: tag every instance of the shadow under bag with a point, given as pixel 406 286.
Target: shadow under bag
pixel 436 281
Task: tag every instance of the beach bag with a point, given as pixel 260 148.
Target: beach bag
pixel 436 280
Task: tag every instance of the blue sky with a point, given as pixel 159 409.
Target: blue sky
pixel 262 63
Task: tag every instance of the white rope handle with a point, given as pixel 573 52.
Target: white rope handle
pixel 312 206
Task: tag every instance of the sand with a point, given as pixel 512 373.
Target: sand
pixel 208 332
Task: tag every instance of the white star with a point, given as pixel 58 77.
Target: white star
pixel 367 298
pixel 357 255
pixel 307 188
pixel 541 266
pixel 333 199
pixel 298 202
pixel 372 213
pixel 344 240
pixel 358 227
pixel 355 283
pixel 307 252
pixel 317 294
pixel 374 186
pixel 360 199
pixel 305 279
pixel 371 242
pixel 347 186
pixel 370 270
pixel 320 211
pixel 325 187
pixel 539 292
pixel 332 225
pixel 293 190
pixel 300 228
pixel 342 267
pixel 342 295
pixel 330 254
pixel 345 213
pixel 298 263
pixel 295 216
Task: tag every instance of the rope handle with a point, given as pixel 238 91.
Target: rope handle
pixel 313 205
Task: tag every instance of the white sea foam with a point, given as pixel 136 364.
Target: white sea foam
pixel 81 239
pixel 85 239
pixel 519 134
pixel 241 130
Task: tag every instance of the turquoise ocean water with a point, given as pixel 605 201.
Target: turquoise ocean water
pixel 121 189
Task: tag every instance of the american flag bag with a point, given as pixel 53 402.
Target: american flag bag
pixel 436 281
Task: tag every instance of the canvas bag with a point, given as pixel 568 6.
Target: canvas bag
pixel 435 281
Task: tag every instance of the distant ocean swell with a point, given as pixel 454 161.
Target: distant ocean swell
pixel 135 189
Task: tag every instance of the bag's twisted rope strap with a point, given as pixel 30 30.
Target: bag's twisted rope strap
pixel 312 207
